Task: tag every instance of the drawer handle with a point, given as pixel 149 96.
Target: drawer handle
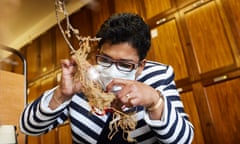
pixel 180 90
pixel 198 3
pixel 161 21
pixel 220 78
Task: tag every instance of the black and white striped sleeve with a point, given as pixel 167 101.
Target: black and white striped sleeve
pixel 38 119
pixel 174 126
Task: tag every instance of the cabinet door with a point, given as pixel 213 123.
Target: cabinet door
pixel 190 108
pixel 33 61
pixel 62 49
pixel 182 3
pixel 232 10
pixel 155 7
pixel 47 83
pixel 100 15
pixel 127 6
pixel 33 91
pixel 64 134
pixel 33 139
pixel 49 138
pixel 208 38
pixel 167 47
pixel 224 100
pixel 47 60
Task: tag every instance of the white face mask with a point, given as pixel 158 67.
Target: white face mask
pixel 107 74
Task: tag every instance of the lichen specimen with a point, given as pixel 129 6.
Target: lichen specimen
pixel 99 100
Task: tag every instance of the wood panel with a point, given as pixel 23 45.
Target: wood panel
pixel 47 59
pixel 190 108
pixel 167 48
pixel 36 88
pixel 224 100
pixel 34 140
pixel 208 38
pixel 12 100
pixel 181 3
pixel 33 60
pixel 33 91
pixel 62 49
pixel 127 6
pixel 82 22
pixel 47 83
pixel 205 116
pixel 99 15
pixel 155 7
pixel 50 137
pixel 232 11
pixel 64 134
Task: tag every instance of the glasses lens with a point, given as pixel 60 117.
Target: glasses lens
pixel 124 66
pixel 104 61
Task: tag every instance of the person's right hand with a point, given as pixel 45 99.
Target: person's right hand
pixel 68 86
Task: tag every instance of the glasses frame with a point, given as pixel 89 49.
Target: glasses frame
pixel 116 62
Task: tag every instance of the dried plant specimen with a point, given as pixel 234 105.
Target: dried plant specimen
pixel 99 100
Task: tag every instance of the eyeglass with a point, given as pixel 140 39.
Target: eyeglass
pixel 120 64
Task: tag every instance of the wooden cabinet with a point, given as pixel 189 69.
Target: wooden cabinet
pixel 59 135
pixel 99 15
pixel 209 38
pixel 196 40
pixel 192 110
pixel 131 6
pixel 224 100
pixel 46 45
pixel 182 3
pixel 49 138
pixel 36 88
pixel 33 60
pixel 201 41
pixel 64 134
pixel 232 11
pixel 145 8
pixel 155 7
pixel 218 108
pixel 62 50
pixel 213 109
pixel 167 46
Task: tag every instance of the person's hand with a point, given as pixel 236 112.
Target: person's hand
pixel 68 86
pixel 134 93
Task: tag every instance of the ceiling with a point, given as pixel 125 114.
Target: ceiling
pixel 23 20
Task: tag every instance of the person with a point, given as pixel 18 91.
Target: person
pixel 147 85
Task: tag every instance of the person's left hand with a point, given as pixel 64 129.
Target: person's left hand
pixel 134 93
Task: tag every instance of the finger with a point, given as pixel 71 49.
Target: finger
pixel 117 83
pixel 67 66
pixel 126 99
pixel 132 101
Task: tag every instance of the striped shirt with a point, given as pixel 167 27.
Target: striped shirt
pixel 174 126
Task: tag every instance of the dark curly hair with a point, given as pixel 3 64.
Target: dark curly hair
pixel 126 27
